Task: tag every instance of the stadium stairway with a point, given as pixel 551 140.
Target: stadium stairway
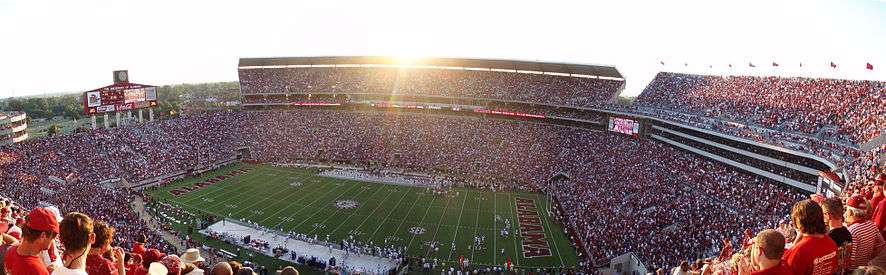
pixel 138 205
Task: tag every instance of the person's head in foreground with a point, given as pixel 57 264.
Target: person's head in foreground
pixel 289 271
pixel 222 268
pixel 77 237
pixel 808 218
pixel 767 249
pixel 39 229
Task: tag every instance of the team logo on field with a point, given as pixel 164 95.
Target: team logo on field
pixel 417 230
pixel 346 204
pixel 392 239
pixel 295 184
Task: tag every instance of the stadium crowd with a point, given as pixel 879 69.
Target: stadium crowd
pixel 847 111
pixel 713 201
pixel 630 195
pixel 537 88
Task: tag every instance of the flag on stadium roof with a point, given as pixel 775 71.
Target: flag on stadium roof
pixel 774 64
pixel 870 66
pixel 751 65
pixel 833 65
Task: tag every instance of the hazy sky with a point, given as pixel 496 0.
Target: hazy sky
pixel 49 46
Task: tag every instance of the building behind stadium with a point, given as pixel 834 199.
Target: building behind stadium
pixel 13 127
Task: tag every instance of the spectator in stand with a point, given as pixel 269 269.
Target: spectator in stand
pixel 173 264
pixel 683 269
pixel 222 268
pixel 877 196
pixel 39 231
pixel 289 271
pixel 813 252
pixel 833 213
pixel 869 270
pixel 192 256
pixel 766 251
pixel 867 241
pixel 235 266
pixel 152 256
pixel 246 271
pixel 139 246
pixel 726 252
pixel 96 263
pixel 879 214
pixel 135 265
pixel 77 237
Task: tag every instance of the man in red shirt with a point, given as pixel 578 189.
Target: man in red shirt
pixel 813 252
pixel 765 255
pixel 879 214
pixel 96 263
pixel 878 195
pixel 139 246
pixel 38 232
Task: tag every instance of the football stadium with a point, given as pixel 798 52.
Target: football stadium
pixel 394 164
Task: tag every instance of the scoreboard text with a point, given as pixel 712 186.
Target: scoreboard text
pixel 119 97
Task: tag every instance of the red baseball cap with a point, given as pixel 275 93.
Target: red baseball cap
pixel 153 255
pixel 42 219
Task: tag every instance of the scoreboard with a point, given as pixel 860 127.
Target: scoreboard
pixel 624 125
pixel 119 97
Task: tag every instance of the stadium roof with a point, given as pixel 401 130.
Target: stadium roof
pixel 520 65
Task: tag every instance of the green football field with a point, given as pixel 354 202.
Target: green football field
pixel 299 200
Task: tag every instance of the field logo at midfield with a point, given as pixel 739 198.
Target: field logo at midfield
pixel 346 204
pixel 200 185
pixel 535 244
pixel 417 230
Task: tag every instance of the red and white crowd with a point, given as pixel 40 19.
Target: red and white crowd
pixel 528 87
pixel 845 111
pixel 619 194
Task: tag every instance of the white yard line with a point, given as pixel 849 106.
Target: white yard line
pixel 285 199
pixel 249 174
pixel 283 220
pixel 385 220
pixel 457 224
pixel 353 212
pixel 516 235
pixel 551 238
pixel 477 224
pixel 217 189
pixel 437 230
pixel 315 201
pixel 494 228
pixel 407 213
pixel 433 198
pixel 256 203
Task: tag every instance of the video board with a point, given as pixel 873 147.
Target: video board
pixel 119 97
pixel 624 125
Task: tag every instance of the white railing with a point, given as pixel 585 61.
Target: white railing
pixel 20 139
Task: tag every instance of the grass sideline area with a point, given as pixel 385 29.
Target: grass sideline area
pixel 299 200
